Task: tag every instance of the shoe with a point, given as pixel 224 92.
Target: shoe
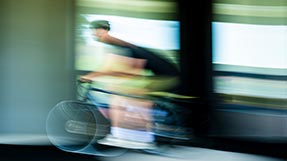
pixel 113 141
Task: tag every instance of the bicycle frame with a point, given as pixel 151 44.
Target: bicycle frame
pixel 165 112
pixel 76 125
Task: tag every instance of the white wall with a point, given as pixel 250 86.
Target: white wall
pixel 36 62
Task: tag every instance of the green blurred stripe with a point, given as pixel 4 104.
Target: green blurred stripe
pixel 255 2
pixel 125 13
pixel 255 101
pixel 250 20
pixel 131 5
pixel 248 10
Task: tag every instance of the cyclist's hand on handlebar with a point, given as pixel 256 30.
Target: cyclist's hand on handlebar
pixel 85 79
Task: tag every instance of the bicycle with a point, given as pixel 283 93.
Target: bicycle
pixel 76 125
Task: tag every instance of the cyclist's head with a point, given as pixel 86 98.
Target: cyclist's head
pixel 100 24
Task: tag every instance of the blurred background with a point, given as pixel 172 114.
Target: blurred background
pixel 249 63
pixel 232 54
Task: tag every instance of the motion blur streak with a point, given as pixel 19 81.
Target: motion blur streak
pixel 250 67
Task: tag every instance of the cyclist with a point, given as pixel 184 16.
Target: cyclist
pixel 131 117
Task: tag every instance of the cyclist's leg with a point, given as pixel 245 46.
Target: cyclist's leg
pixel 131 121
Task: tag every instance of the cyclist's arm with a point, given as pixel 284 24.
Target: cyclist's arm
pixel 92 75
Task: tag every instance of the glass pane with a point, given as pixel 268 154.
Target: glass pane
pixel 250 52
